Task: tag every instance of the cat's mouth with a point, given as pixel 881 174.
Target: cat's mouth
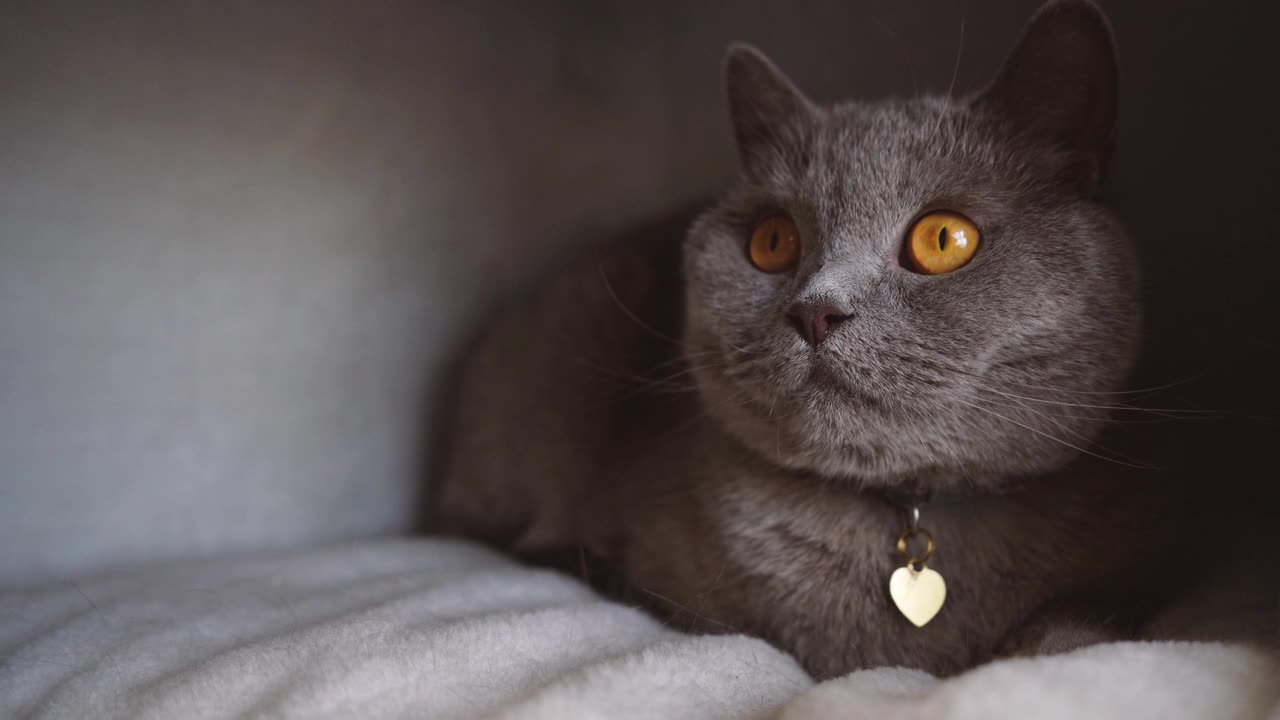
pixel 827 378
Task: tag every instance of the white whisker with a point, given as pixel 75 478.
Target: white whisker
pixel 1057 421
pixel 1136 391
pixel 1096 407
pixel 955 72
pixel 627 311
pixel 1051 437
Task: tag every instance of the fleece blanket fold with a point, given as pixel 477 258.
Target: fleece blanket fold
pixel 432 628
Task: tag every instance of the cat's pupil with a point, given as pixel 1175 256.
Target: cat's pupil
pixel 773 241
pixel 942 239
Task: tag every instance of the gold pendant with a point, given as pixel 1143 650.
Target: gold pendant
pixel 917 591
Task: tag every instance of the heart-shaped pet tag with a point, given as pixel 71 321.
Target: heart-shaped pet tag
pixel 919 594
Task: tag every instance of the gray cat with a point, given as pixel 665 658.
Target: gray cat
pixel 900 303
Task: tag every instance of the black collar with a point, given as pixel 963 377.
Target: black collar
pixel 907 496
pixel 916 494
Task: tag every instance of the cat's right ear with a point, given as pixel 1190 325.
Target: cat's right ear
pixel 763 103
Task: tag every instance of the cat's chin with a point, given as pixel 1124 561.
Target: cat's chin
pixel 825 385
pixel 826 425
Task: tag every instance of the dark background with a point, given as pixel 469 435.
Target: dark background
pixel 238 241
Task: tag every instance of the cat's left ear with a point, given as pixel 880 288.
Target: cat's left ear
pixel 762 102
pixel 1060 84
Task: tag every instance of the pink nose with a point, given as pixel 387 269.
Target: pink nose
pixel 815 321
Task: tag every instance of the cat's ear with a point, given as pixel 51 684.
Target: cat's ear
pixel 1060 83
pixel 762 102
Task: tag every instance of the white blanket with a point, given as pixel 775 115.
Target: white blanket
pixel 443 629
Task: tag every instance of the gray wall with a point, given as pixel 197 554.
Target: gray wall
pixel 238 241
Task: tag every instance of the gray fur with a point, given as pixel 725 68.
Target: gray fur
pixel 1050 301
pixel 731 475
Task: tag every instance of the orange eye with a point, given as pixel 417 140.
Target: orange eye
pixel 941 242
pixel 775 245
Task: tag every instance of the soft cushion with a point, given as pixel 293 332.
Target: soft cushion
pixel 428 628
pixel 446 629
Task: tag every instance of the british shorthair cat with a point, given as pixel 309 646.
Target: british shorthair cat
pixel 900 305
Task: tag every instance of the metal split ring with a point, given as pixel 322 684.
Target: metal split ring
pixel 912 560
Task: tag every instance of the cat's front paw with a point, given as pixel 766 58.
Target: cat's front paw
pixel 1053 633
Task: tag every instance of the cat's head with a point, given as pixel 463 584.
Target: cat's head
pixel 919 290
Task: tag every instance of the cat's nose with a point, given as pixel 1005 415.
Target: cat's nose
pixel 815 321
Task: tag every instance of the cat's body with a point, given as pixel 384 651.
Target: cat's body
pixel 604 449
pixel 661 412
